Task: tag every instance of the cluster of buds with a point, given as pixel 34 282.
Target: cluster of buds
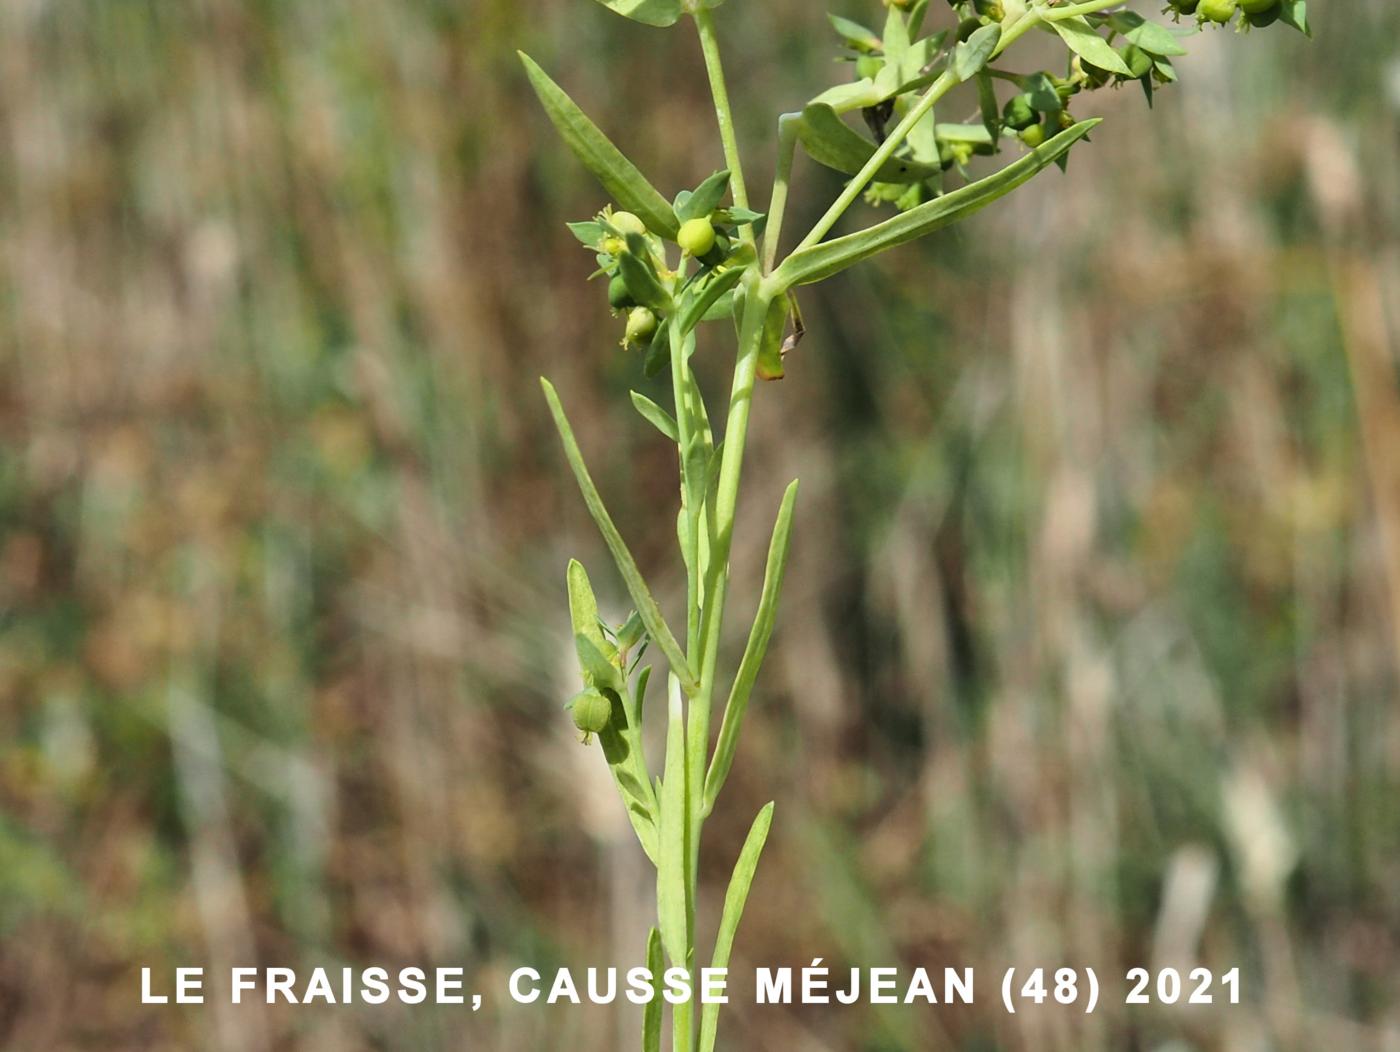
pixel 643 287
pixel 1252 13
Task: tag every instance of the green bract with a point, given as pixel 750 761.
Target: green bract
pixel 925 102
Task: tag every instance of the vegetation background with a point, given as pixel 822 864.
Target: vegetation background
pixel 1091 647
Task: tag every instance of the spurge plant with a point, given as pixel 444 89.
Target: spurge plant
pixel 706 256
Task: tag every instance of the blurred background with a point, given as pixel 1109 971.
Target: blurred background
pixel 1090 650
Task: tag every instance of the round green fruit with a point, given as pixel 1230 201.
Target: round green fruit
pixel 592 712
pixel 1258 7
pixel 626 223
pixel 697 237
pixel 1033 136
pixel 1185 7
pixel 641 323
pixel 619 295
pixel 1019 114
pixel 1217 11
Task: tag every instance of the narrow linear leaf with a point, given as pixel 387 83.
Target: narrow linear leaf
pixel 656 416
pixel 1082 39
pixel 642 598
pixel 651 1014
pixel 831 257
pixel 831 142
pixel 754 651
pixel 619 176
pixel 734 901
pixel 671 896
pixel 697 308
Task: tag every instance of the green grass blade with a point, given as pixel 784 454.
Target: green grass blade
pixel 651 1015
pixel 831 257
pixel 754 652
pixel 672 906
pixel 619 176
pixel 734 902
pixel 642 599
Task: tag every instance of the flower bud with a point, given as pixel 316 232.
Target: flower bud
pixel 697 237
pixel 592 712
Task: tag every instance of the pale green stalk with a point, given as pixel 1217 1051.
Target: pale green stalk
pixel 940 87
pixel 788 126
pixel 714 69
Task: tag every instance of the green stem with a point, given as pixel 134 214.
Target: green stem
pixel 857 185
pixel 714 68
pixel 1059 14
pixel 788 125
pixel 685 433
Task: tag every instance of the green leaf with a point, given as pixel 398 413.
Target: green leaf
pixel 658 417
pixel 618 176
pixel 642 599
pixel 856 35
pixel 672 905
pixel 595 653
pixel 975 52
pixel 734 901
pixel 705 198
pixel 847 97
pixel 1079 35
pixel 754 652
pixel 830 141
pixel 651 1014
pixel 696 308
pixel 831 257
pixel 649 12
pixel 641 280
pixel 1295 14
pixel 588 234
pixel 1152 37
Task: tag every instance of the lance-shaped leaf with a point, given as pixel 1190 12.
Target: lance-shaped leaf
pixel 658 417
pixel 831 257
pixel 754 652
pixel 734 901
pixel 975 52
pixel 696 307
pixel 672 889
pixel 642 598
pixel 1085 42
pixel 619 176
pixel 648 12
pixel 832 142
pixel 651 1014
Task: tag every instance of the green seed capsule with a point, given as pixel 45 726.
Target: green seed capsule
pixel 697 237
pixel 992 9
pixel 1185 7
pixel 592 712
pixel 1258 7
pixel 619 295
pixel 626 223
pixel 1019 114
pixel 641 323
pixel 1033 136
pixel 1217 11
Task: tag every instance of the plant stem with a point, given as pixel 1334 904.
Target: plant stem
pixel 788 125
pixel 714 68
pixel 685 435
pixel 858 183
